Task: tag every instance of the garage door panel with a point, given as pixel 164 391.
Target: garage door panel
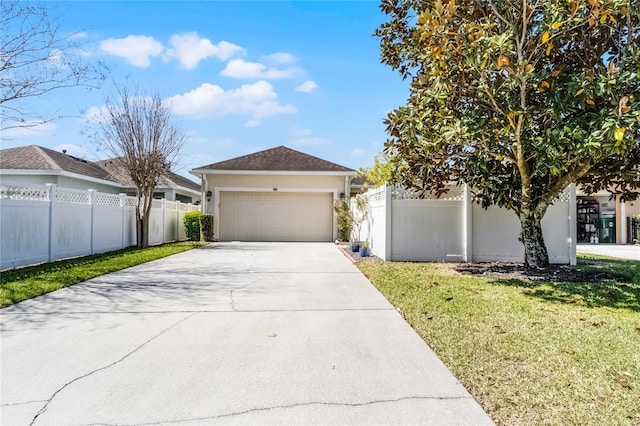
pixel 276 216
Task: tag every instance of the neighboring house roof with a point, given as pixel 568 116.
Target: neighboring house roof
pixel 280 159
pixel 167 180
pixel 34 157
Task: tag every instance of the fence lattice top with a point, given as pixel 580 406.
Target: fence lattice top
pixel 16 191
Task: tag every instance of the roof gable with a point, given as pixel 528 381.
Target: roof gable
pixel 277 159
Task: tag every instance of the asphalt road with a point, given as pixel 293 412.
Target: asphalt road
pixel 237 333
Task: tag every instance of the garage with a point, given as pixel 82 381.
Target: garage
pixel 278 194
pixel 275 216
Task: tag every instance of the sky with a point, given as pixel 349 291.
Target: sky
pixel 242 76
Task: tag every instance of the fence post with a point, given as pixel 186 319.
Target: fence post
pixel 177 220
pixel 623 224
pixel 468 224
pixel 163 207
pixel 573 225
pixel 52 199
pixel 388 233
pixel 92 201
pixel 123 214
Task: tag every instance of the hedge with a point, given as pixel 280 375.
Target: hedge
pixel 192 225
pixel 206 221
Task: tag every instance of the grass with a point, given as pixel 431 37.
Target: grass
pixel 543 353
pixel 21 284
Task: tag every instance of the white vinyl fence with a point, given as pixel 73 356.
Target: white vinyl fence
pixel 404 227
pixel 43 223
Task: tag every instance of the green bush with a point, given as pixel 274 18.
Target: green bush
pixel 344 217
pixel 192 225
pixel 206 221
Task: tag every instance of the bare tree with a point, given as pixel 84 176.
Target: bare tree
pixel 37 57
pixel 141 133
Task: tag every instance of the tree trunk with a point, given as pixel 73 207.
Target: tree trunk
pixel 535 250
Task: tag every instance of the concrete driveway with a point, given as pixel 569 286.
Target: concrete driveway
pixel 613 250
pixel 237 333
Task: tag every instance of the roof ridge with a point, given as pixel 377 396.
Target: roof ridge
pixel 46 157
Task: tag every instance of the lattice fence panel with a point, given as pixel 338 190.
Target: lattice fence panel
pixel 563 197
pixel 111 200
pixel 11 191
pixel 131 202
pixel 170 205
pixel 73 196
pixel 400 193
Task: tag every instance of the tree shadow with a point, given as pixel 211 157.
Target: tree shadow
pixel 593 283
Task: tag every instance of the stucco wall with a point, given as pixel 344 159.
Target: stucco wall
pixel 64 181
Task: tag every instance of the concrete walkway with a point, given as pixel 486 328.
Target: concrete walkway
pixel 237 333
pixel 613 250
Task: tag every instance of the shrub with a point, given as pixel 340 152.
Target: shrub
pixel 344 219
pixel 206 221
pixel 192 225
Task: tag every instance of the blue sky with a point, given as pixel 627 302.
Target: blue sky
pixel 242 75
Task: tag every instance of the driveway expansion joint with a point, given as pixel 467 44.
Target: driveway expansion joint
pixel 136 349
pixel 300 404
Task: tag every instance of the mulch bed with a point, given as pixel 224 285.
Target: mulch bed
pixel 354 257
pixel 509 271
pixel 517 271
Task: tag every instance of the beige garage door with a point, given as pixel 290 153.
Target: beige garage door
pixel 276 216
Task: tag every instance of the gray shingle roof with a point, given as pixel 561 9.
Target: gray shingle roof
pixel 34 157
pixel 168 179
pixel 277 159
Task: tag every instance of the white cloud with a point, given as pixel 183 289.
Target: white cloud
pixel 311 140
pixel 96 115
pixel 79 35
pixel 27 129
pixel 298 132
pixel 280 58
pixel 307 87
pixel 189 49
pixel 136 49
pixel 239 68
pixel 306 137
pixel 358 152
pixel 257 100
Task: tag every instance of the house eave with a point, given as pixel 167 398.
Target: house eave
pixel 200 172
pixel 35 172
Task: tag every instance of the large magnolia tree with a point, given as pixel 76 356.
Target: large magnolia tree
pixel 518 99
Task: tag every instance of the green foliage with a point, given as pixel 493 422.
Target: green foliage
pixel 192 225
pixel 344 219
pixel 206 221
pixel 24 283
pixel 380 174
pixel 360 214
pixel 516 99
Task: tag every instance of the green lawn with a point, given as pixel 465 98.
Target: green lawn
pixel 24 283
pixel 529 352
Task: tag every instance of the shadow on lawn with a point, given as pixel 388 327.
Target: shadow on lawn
pixel 612 294
pixel 593 283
